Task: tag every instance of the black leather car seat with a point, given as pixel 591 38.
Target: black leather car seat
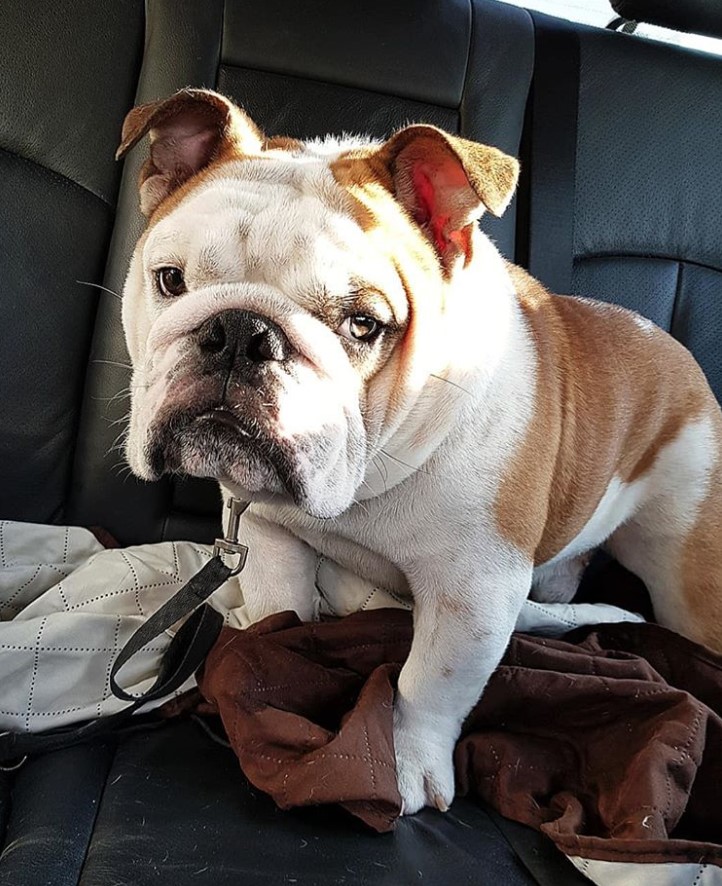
pixel 623 156
pixel 67 76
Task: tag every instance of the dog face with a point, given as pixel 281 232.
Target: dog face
pixel 283 308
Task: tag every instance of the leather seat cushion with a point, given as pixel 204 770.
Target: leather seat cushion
pixel 170 804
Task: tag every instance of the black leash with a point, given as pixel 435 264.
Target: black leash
pixel 187 652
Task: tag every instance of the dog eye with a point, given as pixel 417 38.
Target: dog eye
pixel 170 281
pixel 359 327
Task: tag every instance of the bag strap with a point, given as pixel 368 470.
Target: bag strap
pixel 189 646
pixel 186 653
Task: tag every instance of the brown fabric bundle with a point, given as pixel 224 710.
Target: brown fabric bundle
pixel 609 741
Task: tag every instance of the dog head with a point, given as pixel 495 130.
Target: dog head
pixel 285 305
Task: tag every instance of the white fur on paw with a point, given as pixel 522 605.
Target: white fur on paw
pixel 259 607
pixel 424 769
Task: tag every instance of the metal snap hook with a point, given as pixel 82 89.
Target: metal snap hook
pixel 230 544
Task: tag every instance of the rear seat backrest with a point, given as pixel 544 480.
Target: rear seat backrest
pixel 63 100
pixel 302 69
pixel 645 190
pixel 644 181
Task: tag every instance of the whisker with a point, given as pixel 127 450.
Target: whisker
pixel 116 421
pixel 361 504
pixel 124 393
pixel 118 443
pixel 122 470
pixel 113 363
pixel 404 463
pixel 98 286
pixel 449 382
pixel 384 475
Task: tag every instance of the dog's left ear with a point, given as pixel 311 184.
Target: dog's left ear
pixel 446 183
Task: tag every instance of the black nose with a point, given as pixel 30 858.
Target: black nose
pixel 242 336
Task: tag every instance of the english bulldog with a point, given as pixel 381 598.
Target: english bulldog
pixel 322 327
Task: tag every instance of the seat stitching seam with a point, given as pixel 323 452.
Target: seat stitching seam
pixel 57 176
pixel 429 103
pixel 677 293
pixel 98 806
pixel 590 256
pixel 470 42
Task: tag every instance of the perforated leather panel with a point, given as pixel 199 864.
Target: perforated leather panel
pixel 648 198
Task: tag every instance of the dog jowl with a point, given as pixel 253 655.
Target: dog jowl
pixel 323 328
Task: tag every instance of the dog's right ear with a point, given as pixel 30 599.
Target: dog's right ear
pixel 187 132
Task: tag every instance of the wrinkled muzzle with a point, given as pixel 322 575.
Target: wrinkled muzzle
pixel 238 400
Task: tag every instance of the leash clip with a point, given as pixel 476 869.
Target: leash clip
pixel 230 544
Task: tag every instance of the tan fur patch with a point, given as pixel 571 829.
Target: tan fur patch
pixel 368 184
pixel 455 605
pixel 609 396
pixel 282 143
pixel 701 565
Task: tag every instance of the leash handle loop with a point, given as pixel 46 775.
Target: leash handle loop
pixel 186 653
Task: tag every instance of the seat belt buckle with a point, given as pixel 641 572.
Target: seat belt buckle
pixel 230 545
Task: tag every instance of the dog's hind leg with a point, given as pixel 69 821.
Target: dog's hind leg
pixel 674 542
pixel 558 582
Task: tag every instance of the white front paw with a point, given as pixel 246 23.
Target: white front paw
pixel 424 767
pixel 260 607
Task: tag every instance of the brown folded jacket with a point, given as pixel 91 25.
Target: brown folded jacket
pixel 609 741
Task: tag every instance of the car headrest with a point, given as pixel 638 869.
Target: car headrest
pixel 693 16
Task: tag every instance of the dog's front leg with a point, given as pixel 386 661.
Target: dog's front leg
pixel 280 571
pixel 462 626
